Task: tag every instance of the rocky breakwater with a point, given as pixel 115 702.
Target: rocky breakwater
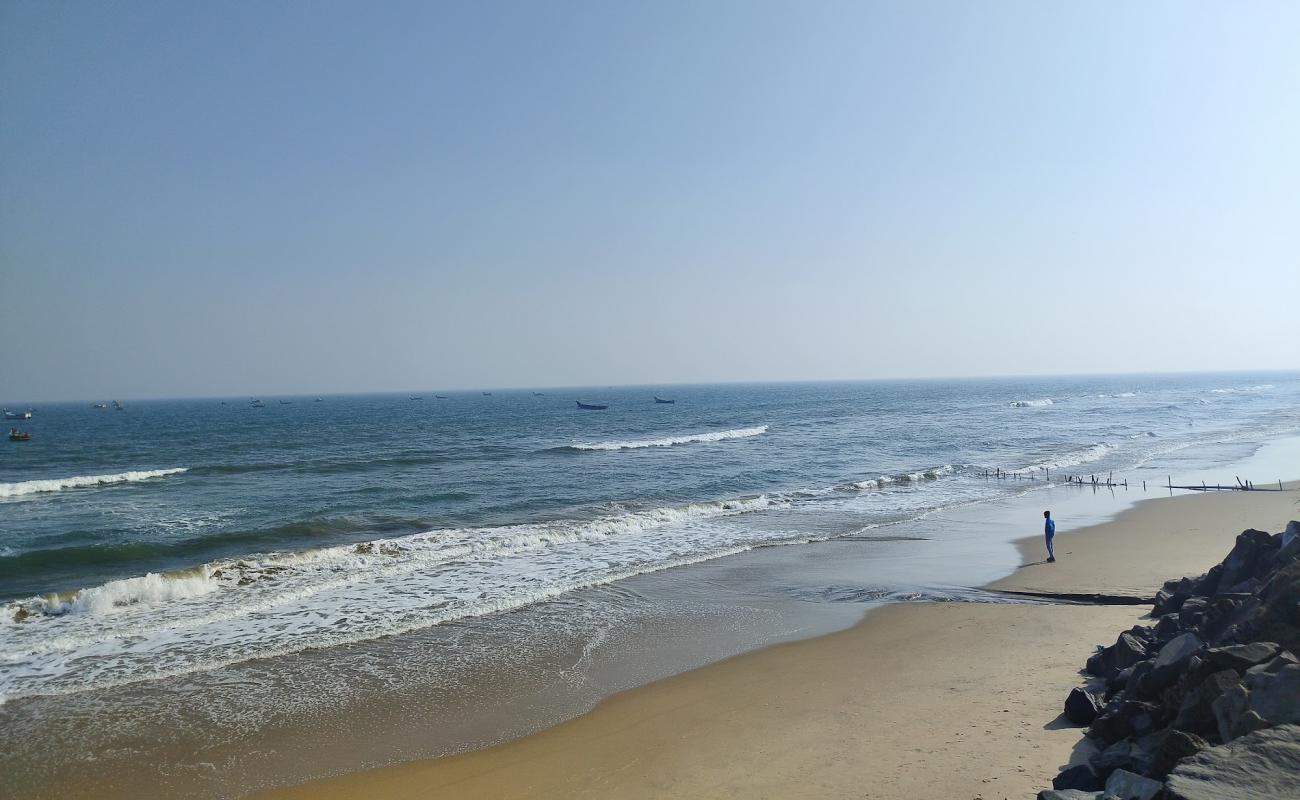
pixel 1204 703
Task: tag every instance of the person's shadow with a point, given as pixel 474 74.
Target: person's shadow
pixel 1032 564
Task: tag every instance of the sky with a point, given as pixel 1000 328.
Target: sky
pixel 227 198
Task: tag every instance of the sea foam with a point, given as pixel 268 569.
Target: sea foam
pixel 23 488
pixel 1046 401
pixel 669 441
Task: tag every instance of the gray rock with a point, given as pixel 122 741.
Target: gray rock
pixel 1081 776
pixel 1164 749
pixel 1264 765
pixel 1283 659
pixel 1178 650
pixel 1127 651
pixel 1067 794
pixel 1127 786
pixel 1253 550
pixel 1120 755
pixel 1265 699
pixel 1241 657
pixel 1169 664
pixel 1081 707
pixel 1196 714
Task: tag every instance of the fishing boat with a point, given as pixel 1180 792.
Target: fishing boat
pixel 16 435
pixel 100 405
pixel 319 400
pixel 487 394
pixel 440 397
pixel 590 406
pixel 286 402
pixel 538 394
pixel 256 403
pixel 415 397
pixel 659 399
pixel 17 414
pixel 117 406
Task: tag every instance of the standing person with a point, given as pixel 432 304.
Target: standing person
pixel 1049 530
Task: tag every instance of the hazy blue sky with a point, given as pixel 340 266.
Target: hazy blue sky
pixel 235 198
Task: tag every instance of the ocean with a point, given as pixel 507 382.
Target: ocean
pixel 273 564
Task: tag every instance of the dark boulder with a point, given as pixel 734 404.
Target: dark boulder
pixel 1263 700
pixel 1169 663
pixel 1164 749
pixel 1124 754
pixel 1081 776
pixel 1081 707
pixel 1264 765
pixel 1125 785
pixel 1196 712
pixel 1250 557
pixel 1241 657
pixel 1096 665
pixel 1067 794
pixel 1279 618
pixel 1127 651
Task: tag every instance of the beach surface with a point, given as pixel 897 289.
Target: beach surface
pixel 958 700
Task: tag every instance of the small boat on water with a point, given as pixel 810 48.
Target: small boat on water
pixel 590 406
pixel 413 397
pixel 539 394
pixel 319 400
pixel 487 394
pixel 16 435
pixel 286 402
pixel 99 405
pixel 256 403
pixel 117 406
pixel 440 397
pixel 659 399
pixel 17 414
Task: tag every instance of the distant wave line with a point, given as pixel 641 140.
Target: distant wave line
pixel 24 488
pixel 669 441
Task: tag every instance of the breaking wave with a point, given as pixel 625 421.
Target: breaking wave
pixel 23 488
pixel 1243 389
pixel 669 441
pixel 1046 401
pixel 1074 458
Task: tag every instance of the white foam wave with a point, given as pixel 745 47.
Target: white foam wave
pixel 263 605
pixel 23 488
pixel 1118 394
pixel 1074 458
pixel 1046 401
pixel 1243 389
pixel 669 441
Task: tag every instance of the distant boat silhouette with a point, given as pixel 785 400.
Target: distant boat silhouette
pixel 16 435
pixel 318 400
pixel 415 397
pixel 487 394
pixel 255 403
pixel 659 399
pixel 538 394
pixel 100 405
pixel 440 397
pixel 590 406
pixel 286 402
pixel 17 414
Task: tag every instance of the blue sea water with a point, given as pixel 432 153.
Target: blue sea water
pixel 171 537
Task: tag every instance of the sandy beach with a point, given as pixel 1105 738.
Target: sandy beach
pixel 918 700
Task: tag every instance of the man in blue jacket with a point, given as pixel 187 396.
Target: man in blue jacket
pixel 1049 530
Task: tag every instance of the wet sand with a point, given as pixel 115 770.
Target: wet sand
pixel 953 700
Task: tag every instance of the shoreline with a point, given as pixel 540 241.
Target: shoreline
pixel 967 693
